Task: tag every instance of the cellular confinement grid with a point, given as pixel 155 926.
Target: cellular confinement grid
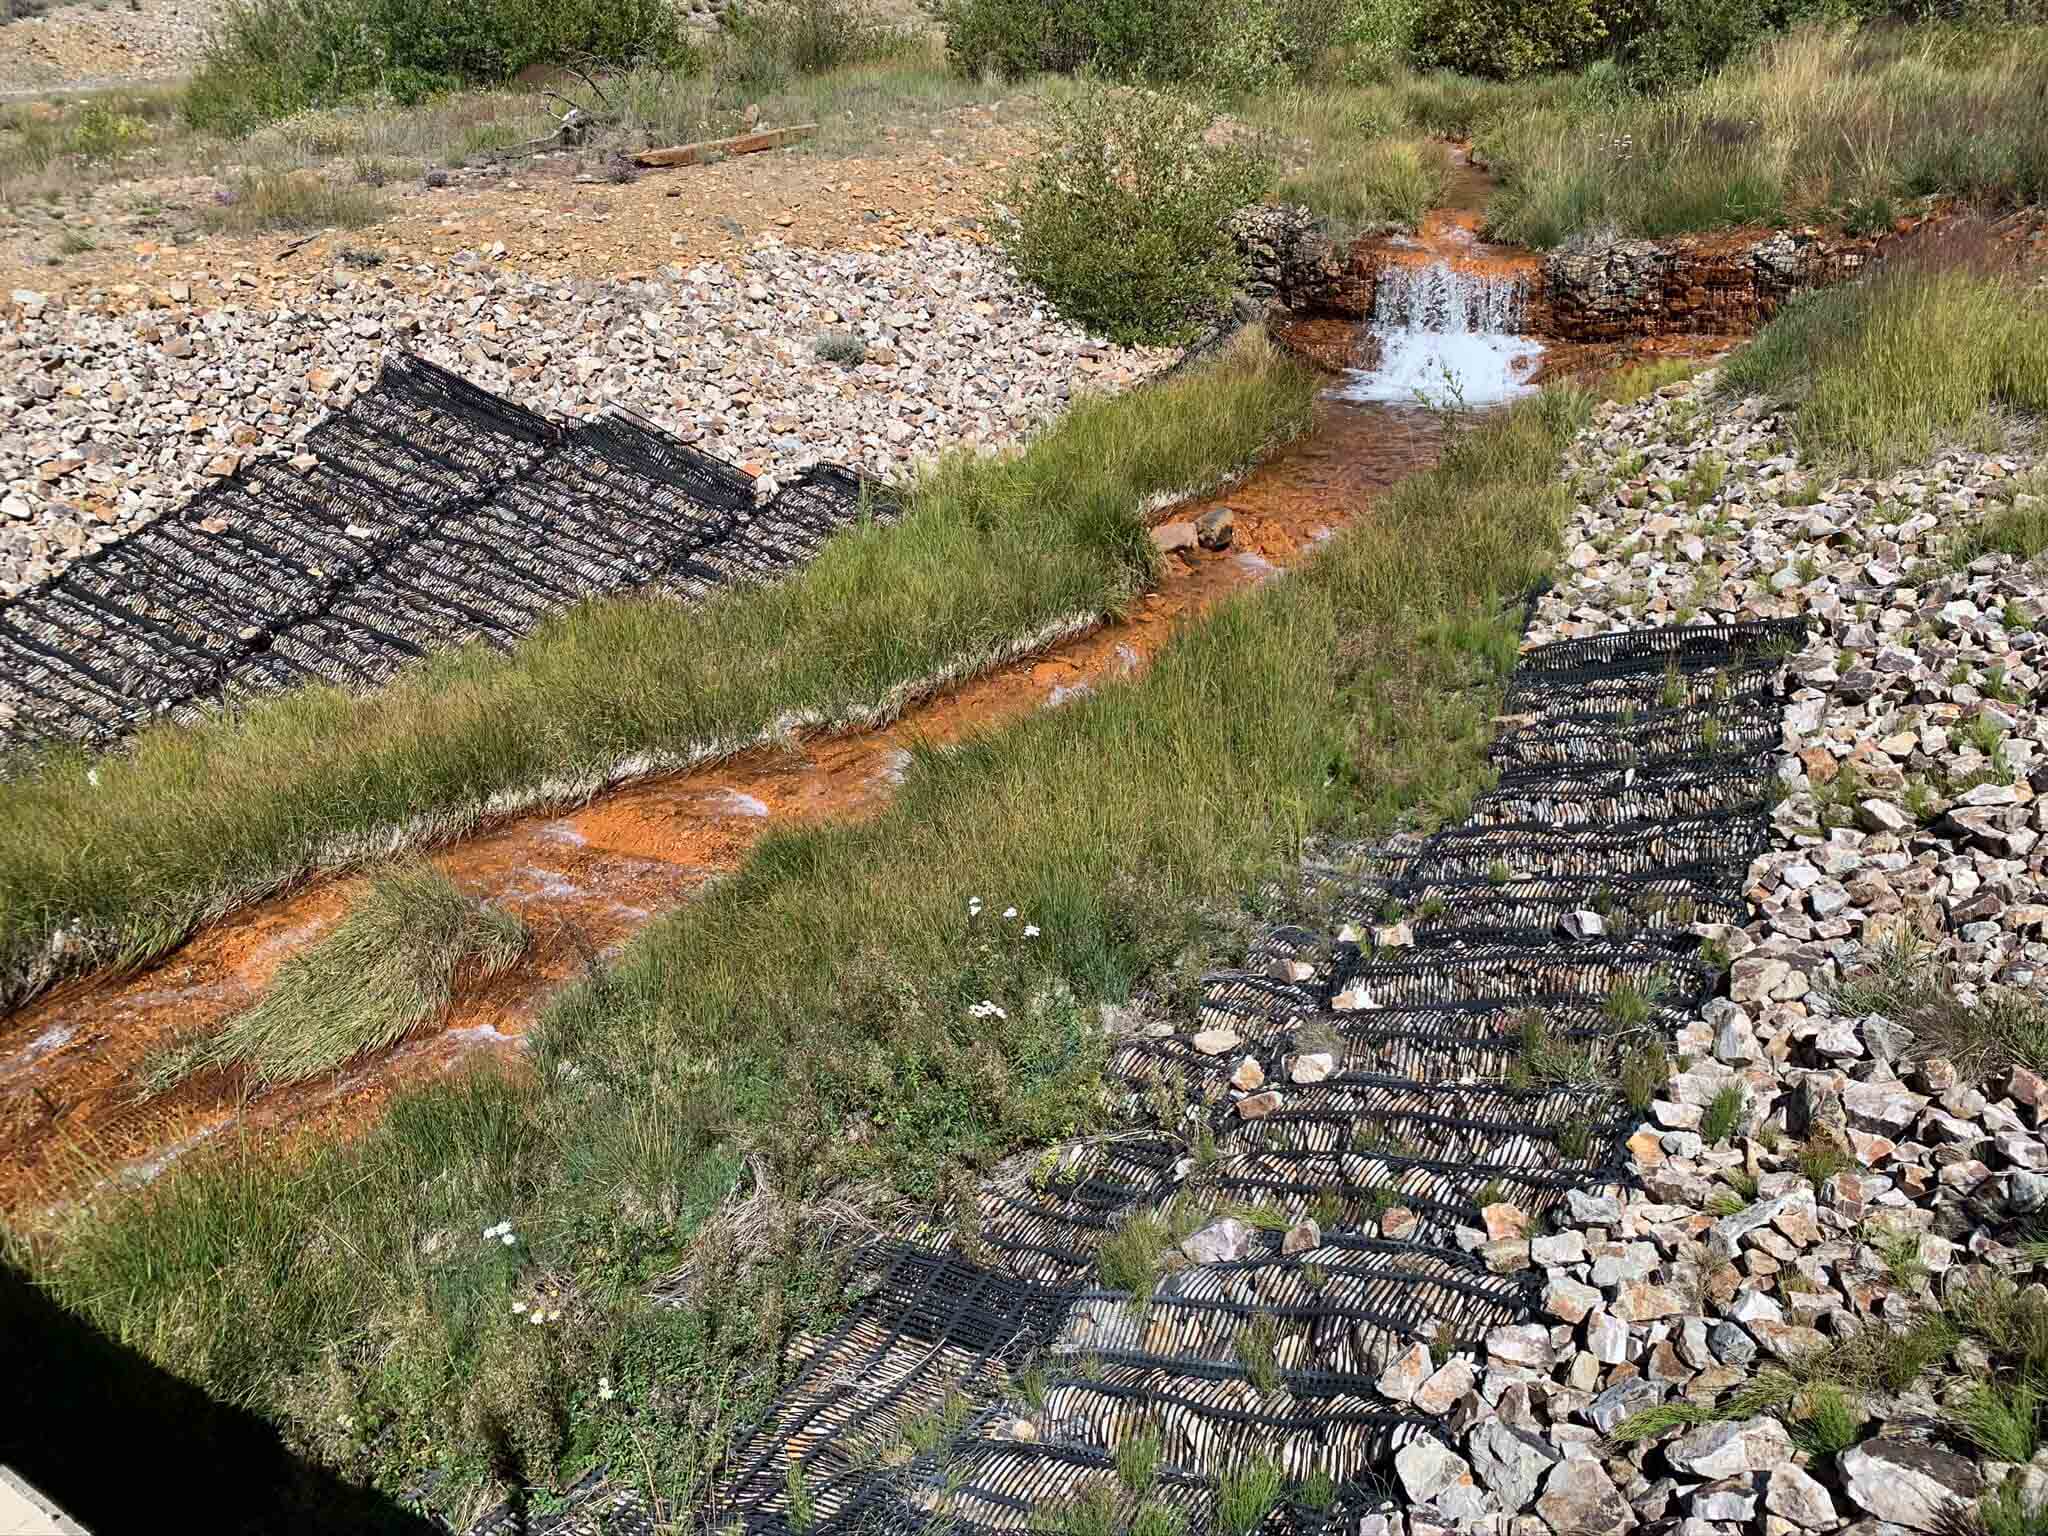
pixel 1452 1033
pixel 433 514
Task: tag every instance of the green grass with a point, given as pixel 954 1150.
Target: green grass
pixel 1905 984
pixel 1937 346
pixel 1723 1117
pixel 1831 1423
pixel 1374 187
pixel 387 968
pixel 296 201
pixel 992 553
pixel 1352 156
pixel 1830 125
pixel 1877 1359
pixel 808 1020
pixel 1644 1071
pixel 2014 529
pixel 1542 1060
pixel 1246 1496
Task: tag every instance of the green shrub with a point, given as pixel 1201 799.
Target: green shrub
pixel 1508 39
pixel 103 132
pixel 1120 215
pixel 1239 45
pixel 1685 43
pixel 269 58
pixel 767 43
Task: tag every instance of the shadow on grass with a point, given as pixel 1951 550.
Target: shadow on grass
pixel 120 1444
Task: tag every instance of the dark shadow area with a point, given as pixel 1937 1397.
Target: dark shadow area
pixel 123 1446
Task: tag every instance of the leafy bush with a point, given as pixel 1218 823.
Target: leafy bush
pixel 269 58
pixel 1508 39
pixel 103 132
pixel 766 44
pixel 1243 45
pixel 1120 215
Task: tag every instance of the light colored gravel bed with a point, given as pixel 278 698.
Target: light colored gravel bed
pixel 112 412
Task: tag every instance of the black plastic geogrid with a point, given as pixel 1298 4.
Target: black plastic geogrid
pixel 434 514
pixel 1452 1047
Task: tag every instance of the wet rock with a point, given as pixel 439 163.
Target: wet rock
pixel 1215 528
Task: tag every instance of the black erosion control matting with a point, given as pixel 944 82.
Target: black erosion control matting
pixel 433 514
pixel 1454 1038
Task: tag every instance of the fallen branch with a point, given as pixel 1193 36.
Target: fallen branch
pixel 302 242
pixel 745 144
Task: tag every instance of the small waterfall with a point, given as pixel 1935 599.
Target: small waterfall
pixel 1446 335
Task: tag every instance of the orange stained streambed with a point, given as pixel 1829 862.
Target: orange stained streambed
pixel 72 1110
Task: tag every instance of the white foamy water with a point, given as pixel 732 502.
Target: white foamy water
pixel 1446 337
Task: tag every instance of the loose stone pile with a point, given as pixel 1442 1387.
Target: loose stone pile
pixel 1916 743
pixel 79 44
pixel 120 406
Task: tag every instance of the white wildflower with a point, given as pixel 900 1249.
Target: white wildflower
pixel 1031 930
pixel 604 1389
pixel 1009 912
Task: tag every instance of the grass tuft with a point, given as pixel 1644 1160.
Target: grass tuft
pixel 290 200
pixel 389 967
pixel 1724 1115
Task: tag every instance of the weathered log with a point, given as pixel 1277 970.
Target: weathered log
pixel 745 144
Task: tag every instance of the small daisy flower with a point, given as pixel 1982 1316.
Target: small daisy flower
pixel 1031 930
pixel 518 1306
pixel 508 1239
pixel 604 1389
pixel 1009 912
pixel 974 906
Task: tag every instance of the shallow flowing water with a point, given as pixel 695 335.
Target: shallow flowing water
pixel 1446 336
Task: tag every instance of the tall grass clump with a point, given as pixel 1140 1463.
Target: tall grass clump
pixel 1391 183
pixel 813 1027
pixel 268 58
pixel 991 554
pixel 1939 344
pixel 260 201
pixel 389 967
pixel 1829 125
pixel 1120 215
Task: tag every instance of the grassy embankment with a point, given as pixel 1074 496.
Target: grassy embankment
pixel 809 1033
pixel 992 555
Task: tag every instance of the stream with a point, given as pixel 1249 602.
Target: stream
pixel 588 879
